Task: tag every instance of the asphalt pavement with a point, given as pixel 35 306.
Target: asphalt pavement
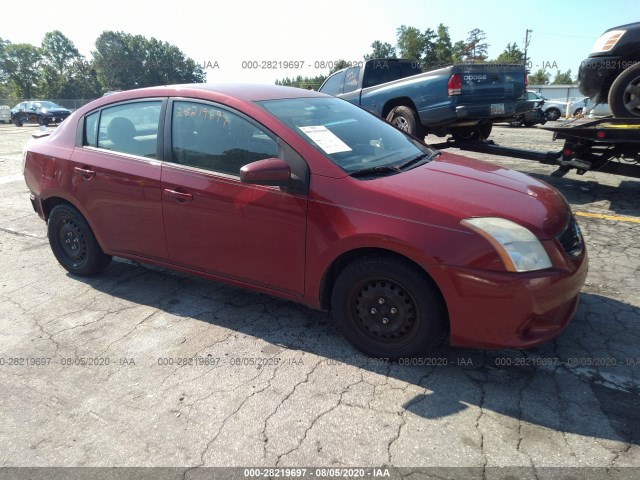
pixel 145 367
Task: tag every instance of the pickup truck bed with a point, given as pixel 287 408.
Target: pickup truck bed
pixel 464 100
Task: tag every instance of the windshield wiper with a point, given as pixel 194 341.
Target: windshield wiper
pixel 379 170
pixel 416 161
pixel 390 169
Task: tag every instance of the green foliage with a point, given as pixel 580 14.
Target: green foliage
pixel 21 63
pixel 123 61
pixel 381 50
pixel 56 70
pixel 308 83
pixel 540 77
pixel 562 78
pixel 476 47
pixel 411 43
pixel 511 54
pixel 442 48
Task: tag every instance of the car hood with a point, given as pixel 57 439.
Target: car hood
pixel 452 188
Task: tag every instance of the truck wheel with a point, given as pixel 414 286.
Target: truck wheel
pixel 624 96
pixel 552 114
pixel 386 307
pixel 407 120
pixel 472 134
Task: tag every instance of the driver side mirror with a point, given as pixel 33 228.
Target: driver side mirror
pixel 271 171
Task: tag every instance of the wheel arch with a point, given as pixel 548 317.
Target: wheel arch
pixel 398 102
pixel 344 259
pixel 49 203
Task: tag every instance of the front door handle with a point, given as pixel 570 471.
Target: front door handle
pixel 181 197
pixel 85 172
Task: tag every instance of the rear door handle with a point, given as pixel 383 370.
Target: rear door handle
pixel 180 196
pixel 85 172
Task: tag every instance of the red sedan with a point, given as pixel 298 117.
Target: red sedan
pixel 307 197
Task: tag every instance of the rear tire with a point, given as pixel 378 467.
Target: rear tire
pixel 407 120
pixel 16 121
pixel 73 242
pixel 386 307
pixel 624 95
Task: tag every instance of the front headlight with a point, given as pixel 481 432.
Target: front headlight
pixel 518 248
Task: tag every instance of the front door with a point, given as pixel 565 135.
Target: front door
pixel 217 224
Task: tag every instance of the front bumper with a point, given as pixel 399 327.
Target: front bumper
pixel 490 309
pixel 596 74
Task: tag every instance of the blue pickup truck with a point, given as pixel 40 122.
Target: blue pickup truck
pixel 463 100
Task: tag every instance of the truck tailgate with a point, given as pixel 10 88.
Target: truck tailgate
pixel 489 83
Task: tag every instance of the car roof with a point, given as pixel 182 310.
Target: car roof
pixel 241 91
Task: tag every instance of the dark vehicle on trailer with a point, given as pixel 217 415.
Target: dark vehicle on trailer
pixel 462 100
pixel 42 112
pixel 611 73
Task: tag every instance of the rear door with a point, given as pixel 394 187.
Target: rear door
pixel 115 175
pixel 215 223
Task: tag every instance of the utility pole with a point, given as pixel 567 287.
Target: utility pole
pixel 527 39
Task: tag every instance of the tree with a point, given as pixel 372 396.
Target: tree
pixel 459 52
pixel 21 63
pixel 562 78
pixel 313 83
pixel 411 43
pixel 58 55
pixel 442 48
pixel 123 61
pixel 476 47
pixel 381 50
pixel 511 54
pixel 540 77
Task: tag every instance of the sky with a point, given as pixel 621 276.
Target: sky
pixel 228 38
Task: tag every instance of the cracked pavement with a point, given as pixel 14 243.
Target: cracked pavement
pixel 274 383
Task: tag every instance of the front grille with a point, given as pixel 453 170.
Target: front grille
pixel 571 239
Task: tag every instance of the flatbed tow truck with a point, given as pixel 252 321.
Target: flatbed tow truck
pixel 608 145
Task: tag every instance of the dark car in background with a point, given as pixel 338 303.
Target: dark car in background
pixel 41 112
pixel 611 73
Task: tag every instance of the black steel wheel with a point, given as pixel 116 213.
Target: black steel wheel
pixel 624 95
pixel 406 120
pixel 73 242
pixel 386 307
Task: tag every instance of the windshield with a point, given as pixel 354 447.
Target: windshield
pixel 350 137
pixel 45 105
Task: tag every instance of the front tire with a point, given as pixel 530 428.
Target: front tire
pixel 624 95
pixel 73 242
pixel 407 120
pixel 386 307
pixel 16 121
pixel 552 114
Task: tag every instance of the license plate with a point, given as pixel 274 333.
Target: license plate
pixel 497 108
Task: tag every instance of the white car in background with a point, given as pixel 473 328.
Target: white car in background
pixel 592 110
pixel 5 114
pixel 554 109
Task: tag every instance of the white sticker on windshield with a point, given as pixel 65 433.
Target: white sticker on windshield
pixel 325 139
